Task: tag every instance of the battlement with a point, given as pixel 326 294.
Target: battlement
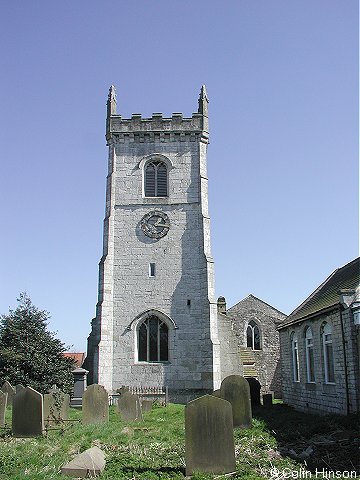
pixel 120 129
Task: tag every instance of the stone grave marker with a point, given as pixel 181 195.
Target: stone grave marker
pixel 87 464
pixel 129 407
pixel 27 413
pixel 255 388
pixel 95 405
pixel 56 406
pixel 267 399
pixel 209 439
pixel 146 405
pixel 3 405
pixel 235 389
pixel 216 393
pixel 10 390
pixel 18 387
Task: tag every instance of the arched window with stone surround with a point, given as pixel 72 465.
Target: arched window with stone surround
pixel 156 179
pixel 295 357
pixel 328 354
pixel 153 340
pixel 310 362
pixel 253 339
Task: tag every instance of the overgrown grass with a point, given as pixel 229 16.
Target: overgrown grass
pixel 154 449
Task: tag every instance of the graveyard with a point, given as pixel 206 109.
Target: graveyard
pixel 150 445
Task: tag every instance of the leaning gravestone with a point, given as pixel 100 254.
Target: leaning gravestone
pixel 235 389
pixel 255 388
pixel 7 388
pixel 88 464
pixel 95 405
pixel 209 440
pixel 27 413
pixel 129 407
pixel 56 406
pixel 3 404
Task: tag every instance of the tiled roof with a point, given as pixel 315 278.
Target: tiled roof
pixel 327 294
pixel 79 357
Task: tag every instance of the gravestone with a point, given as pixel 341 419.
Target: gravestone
pixel 129 407
pixel 146 405
pixel 7 388
pixel 267 399
pixel 27 413
pixel 235 389
pixel 95 405
pixel 3 404
pixel 87 464
pixel 79 388
pixel 255 388
pixel 56 406
pixel 209 440
pixel 216 393
pixel 18 387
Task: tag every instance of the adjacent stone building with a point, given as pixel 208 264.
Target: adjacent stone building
pixel 156 321
pixel 320 347
pixel 255 324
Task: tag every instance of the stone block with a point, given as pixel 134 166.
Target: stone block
pixel 235 389
pixel 129 408
pixel 209 440
pixel 27 413
pixel 146 405
pixel 95 405
pixel 87 464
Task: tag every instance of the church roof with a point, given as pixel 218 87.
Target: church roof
pixel 327 295
pixel 256 299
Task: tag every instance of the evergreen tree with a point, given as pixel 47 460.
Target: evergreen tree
pixel 29 353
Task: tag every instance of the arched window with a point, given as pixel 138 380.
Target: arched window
pixel 310 362
pixel 153 340
pixel 155 179
pixel 328 356
pixel 253 336
pixel 295 357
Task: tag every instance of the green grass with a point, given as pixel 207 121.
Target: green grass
pixel 154 449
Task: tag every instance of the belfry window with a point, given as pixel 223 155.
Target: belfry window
pixel 253 336
pixel 156 179
pixel 153 340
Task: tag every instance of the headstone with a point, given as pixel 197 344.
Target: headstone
pixel 216 393
pixel 235 389
pixel 27 413
pixel 267 399
pixel 56 406
pixel 79 388
pixel 255 388
pixel 10 390
pixel 88 464
pixel 18 387
pixel 95 405
pixel 129 407
pixel 146 405
pixel 209 440
pixel 3 404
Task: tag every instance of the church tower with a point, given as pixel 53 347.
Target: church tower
pixel 156 318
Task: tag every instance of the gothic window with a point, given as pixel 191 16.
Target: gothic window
pixel 156 179
pixel 310 362
pixel 328 356
pixel 295 357
pixel 253 336
pixel 153 340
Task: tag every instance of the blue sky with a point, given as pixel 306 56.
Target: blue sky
pixel 282 79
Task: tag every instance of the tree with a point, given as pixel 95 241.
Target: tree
pixel 29 353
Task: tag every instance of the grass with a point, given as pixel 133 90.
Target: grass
pixel 154 449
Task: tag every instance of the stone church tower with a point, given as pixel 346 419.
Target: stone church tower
pixel 156 319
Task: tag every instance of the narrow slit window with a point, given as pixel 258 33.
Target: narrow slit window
pixel 151 269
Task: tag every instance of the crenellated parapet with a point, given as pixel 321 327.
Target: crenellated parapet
pixel 157 128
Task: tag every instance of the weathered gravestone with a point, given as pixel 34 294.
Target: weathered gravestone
pixel 79 388
pixel 209 440
pixel 27 413
pixel 255 388
pixel 235 389
pixel 18 387
pixel 95 405
pixel 10 390
pixel 87 464
pixel 146 405
pixel 267 399
pixel 129 407
pixel 216 393
pixel 56 406
pixel 3 404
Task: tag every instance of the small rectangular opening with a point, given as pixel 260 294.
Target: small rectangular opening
pixel 188 302
pixel 151 269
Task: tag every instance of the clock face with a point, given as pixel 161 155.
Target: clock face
pixel 155 224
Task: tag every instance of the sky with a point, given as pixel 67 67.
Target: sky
pixel 282 81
